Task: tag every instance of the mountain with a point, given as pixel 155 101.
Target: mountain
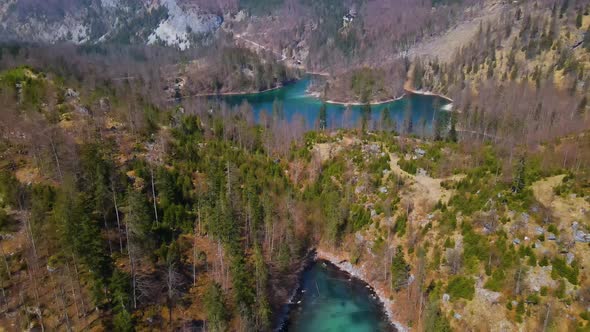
pixel 167 22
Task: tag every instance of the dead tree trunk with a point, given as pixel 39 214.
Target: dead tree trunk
pixel 106 227
pixel 72 289
pixel 154 195
pixel 56 157
pixel 117 214
pixel 78 285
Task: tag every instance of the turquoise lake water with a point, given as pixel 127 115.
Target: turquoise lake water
pixel 332 302
pixel 296 103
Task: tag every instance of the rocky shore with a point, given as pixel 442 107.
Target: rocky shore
pixel 360 273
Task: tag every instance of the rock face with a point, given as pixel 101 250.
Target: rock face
pixel 180 24
pixel 93 21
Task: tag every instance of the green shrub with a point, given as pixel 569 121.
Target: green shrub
pixel 533 299
pixel 359 217
pixel 409 166
pixel 544 261
pixel 553 229
pixel 461 287
pixel 400 225
pixel 560 291
pixel 475 246
pixel 449 243
pixel 435 319
pixel 520 308
pixel 561 269
pixel 496 282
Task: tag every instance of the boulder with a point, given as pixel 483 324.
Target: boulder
pixel 488 295
pixel 569 258
pixel 582 237
pixel 71 93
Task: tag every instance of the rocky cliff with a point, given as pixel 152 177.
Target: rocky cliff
pixel 168 22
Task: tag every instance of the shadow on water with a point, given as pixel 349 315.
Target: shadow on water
pixel 331 300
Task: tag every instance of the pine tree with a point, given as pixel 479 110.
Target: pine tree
pixel 365 116
pixel 519 182
pixel 215 308
pixel 399 270
pixel 263 310
pixel 139 219
pixel 582 105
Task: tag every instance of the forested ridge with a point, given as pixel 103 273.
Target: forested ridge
pixel 126 211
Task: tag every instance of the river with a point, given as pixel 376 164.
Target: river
pixel 331 301
pixel 296 103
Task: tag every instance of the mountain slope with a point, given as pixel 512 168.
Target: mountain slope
pixel 91 21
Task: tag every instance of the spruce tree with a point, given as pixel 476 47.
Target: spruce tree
pixel 399 270
pixel 519 182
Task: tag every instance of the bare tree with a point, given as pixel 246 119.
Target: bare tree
pixel 454 260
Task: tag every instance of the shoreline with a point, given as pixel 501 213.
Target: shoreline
pixel 314 256
pixel 237 93
pixel 408 91
pixel 282 319
pixel 372 103
pixel 359 273
pixel 411 90
pixel 391 100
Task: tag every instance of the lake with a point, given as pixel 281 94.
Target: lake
pixel 331 301
pixel 296 103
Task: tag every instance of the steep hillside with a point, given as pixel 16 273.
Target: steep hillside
pixel 93 21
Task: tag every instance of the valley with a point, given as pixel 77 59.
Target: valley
pixel 270 165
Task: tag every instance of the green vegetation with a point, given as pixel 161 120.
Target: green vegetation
pixel 435 319
pixel 400 270
pixel 365 83
pixel 461 288
pixel 562 269
pixel 215 308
